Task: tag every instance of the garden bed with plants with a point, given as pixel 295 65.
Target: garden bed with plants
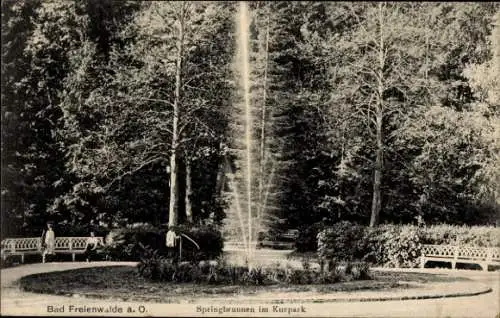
pixel 128 283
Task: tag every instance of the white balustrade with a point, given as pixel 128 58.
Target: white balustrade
pixel 460 254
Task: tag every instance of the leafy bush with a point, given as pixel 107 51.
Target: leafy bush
pixel 278 274
pixel 124 243
pixel 67 229
pixel 208 238
pixel 396 245
pixel 340 241
pixel 151 263
pixel 480 236
pixel 372 246
pixel 254 276
pixel 360 271
pixel 402 246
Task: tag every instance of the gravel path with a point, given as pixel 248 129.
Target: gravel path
pixel 17 302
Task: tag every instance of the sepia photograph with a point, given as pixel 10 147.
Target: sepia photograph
pixel 250 158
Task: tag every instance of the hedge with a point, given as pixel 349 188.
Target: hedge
pixel 392 245
pixel 125 243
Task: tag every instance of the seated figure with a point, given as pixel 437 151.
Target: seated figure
pixel 91 245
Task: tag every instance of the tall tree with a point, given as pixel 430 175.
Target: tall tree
pixel 85 200
pixel 161 95
pixel 18 146
pixel 380 73
pixel 53 35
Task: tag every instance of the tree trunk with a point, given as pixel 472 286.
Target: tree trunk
pixel 189 192
pixel 377 177
pixel 379 113
pixel 172 210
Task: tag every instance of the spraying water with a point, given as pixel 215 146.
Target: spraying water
pixel 246 214
pixel 244 67
pixel 241 184
pixel 243 40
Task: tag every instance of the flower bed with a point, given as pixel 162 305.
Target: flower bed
pixel 156 267
pixel 114 282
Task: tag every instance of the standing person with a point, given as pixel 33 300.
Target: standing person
pixel 91 246
pixel 171 242
pixel 49 241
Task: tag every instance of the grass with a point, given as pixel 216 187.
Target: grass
pixel 123 282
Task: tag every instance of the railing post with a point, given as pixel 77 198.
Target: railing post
pixel 71 249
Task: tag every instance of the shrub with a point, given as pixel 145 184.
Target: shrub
pixel 255 276
pixel 372 246
pixel 277 274
pixel 340 241
pixel 207 237
pixel 396 245
pixel 402 246
pixel 151 263
pixel 385 245
pixel 185 272
pixel 67 229
pixel 480 236
pixel 124 243
pixel 360 271
pixel 339 271
pixel 294 277
pixel 337 274
pixel 235 274
pixel 330 278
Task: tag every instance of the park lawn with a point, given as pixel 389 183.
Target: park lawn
pixel 123 283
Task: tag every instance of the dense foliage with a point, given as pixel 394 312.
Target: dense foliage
pixel 117 112
pixel 397 245
pixel 138 241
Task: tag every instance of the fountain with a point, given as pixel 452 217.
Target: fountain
pixel 247 212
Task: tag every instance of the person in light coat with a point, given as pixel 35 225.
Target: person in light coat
pixel 171 242
pixel 49 241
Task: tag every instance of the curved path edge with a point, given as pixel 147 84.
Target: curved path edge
pixel 11 276
pixel 481 303
pixel 261 300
